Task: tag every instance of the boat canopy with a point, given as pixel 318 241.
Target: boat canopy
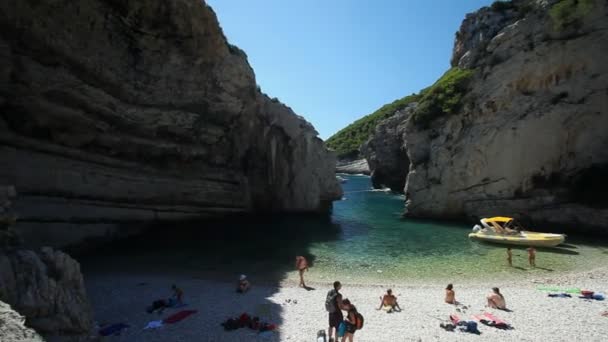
pixel 501 219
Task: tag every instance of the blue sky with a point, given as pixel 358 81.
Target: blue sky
pixel 335 61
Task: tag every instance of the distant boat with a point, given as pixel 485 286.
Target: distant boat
pixel 507 231
pixel 341 179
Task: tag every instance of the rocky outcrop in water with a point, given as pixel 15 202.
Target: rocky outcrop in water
pixel 358 166
pixel 114 112
pixel 530 140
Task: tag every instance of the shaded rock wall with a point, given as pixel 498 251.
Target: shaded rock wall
pixel 385 151
pixel 45 286
pixel 114 112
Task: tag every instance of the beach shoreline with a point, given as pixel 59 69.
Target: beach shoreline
pixel 121 298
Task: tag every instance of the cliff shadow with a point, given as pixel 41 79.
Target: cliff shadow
pixel 205 259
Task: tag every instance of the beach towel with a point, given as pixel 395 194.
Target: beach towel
pixel 559 295
pixel 557 289
pixel 174 303
pixel 176 317
pixel 153 325
pixel 492 321
pixel 113 329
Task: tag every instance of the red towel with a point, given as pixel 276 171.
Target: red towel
pixel 178 316
pixel 494 318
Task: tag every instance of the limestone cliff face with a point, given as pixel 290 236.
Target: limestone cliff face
pixel 385 152
pixel 12 326
pixel 121 111
pixel 531 139
pixel 48 289
pixel 357 166
pixel 45 286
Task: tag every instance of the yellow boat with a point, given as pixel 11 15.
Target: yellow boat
pixel 506 230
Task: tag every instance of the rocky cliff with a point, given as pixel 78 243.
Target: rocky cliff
pixel 45 286
pixel 358 166
pixel 530 137
pixel 385 152
pixel 114 112
pixel 12 328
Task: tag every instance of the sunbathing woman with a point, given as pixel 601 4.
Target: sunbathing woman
pixel 496 300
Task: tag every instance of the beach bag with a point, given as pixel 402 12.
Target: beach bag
pixel 359 321
pixel 330 301
pixel 341 329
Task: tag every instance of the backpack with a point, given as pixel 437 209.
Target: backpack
pixel 359 321
pixel 330 301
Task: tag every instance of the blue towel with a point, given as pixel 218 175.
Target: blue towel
pixel 113 329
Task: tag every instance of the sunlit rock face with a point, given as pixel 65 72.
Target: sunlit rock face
pixel 531 139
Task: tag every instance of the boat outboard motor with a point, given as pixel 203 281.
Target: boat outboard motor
pixel 476 228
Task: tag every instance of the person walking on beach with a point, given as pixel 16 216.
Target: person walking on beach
pixel 301 266
pixel 496 300
pixel 532 256
pixel 334 305
pixel 509 256
pixel 389 302
pixel 450 295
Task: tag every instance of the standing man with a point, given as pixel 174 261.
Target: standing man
pixel 532 256
pixel 301 266
pixel 334 305
pixel 509 256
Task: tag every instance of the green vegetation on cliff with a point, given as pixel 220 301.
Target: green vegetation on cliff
pixel 442 98
pixel 569 12
pixel 348 140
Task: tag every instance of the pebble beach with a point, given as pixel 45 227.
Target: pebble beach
pixel 300 314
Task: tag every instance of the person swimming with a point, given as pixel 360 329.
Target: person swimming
pixel 496 300
pixel 389 302
pixel 509 256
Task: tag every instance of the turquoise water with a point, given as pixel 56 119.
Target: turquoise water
pixel 377 244
pixel 365 240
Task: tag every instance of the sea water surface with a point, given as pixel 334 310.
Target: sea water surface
pixel 364 241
